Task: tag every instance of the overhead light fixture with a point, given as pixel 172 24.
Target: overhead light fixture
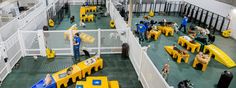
pixel 234 10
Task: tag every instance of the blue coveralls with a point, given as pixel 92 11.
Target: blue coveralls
pixel 141 29
pixel 184 24
pixel 76 47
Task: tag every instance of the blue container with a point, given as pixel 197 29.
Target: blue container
pixel 41 82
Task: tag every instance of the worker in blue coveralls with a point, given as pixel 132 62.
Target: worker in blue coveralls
pixel 76 43
pixel 141 30
pixel 184 23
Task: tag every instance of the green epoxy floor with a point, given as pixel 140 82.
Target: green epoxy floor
pixel 102 23
pixel 31 71
pixel 182 71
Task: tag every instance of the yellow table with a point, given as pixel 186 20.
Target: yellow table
pixel 86 68
pixel 89 82
pixel 192 46
pixel 220 56
pixel 76 74
pixel 176 54
pixel 154 33
pixel 202 61
pixel 166 30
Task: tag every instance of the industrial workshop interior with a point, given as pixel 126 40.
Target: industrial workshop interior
pixel 117 43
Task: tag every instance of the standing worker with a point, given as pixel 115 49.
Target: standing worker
pixel 76 43
pixel 184 23
pixel 141 29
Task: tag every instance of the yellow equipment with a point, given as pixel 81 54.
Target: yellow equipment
pixel 51 23
pixel 86 38
pixel 154 33
pixel 151 13
pixel 176 54
pixel 202 61
pixel 220 56
pixel 50 53
pixel 83 13
pixel 67 33
pixel 112 24
pixel 62 78
pixel 90 64
pixel 78 71
pixel 226 33
pixel 193 46
pixel 97 82
pixel 114 84
pixel 166 30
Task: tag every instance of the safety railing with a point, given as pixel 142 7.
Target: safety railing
pixel 106 41
pixel 147 72
pixel 11 50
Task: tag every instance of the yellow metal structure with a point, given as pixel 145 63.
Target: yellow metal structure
pixel 220 56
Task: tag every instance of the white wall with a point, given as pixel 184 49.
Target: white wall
pixel 233 22
pixel 212 5
pixel 27 2
pixel 219 8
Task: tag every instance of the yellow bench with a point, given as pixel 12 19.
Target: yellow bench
pixel 63 81
pixel 154 33
pixel 166 30
pixel 86 68
pixel 193 46
pixel 176 54
pixel 220 56
pixel 114 84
